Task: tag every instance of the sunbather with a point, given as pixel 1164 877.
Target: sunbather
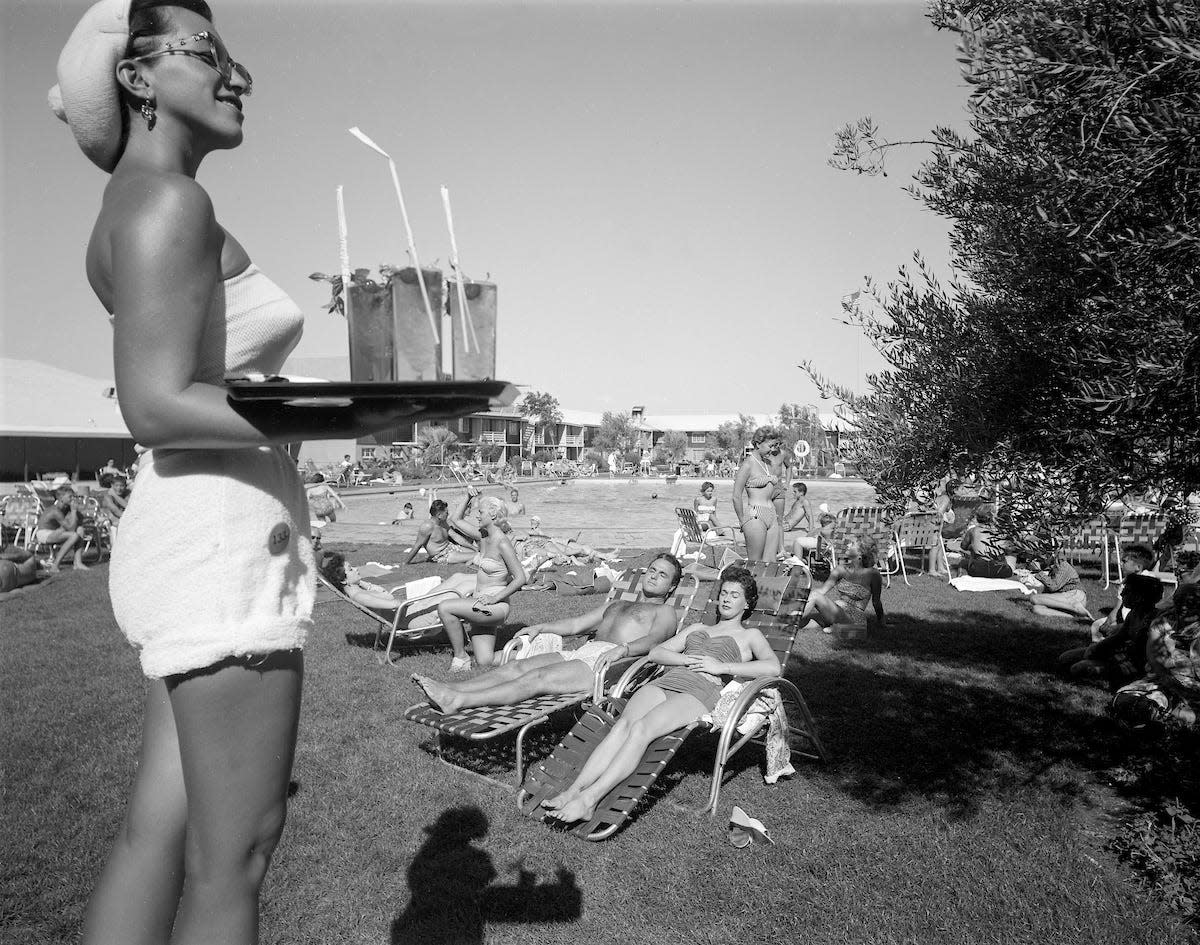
pixel 983 553
pixel 1064 595
pixel 705 506
pixel 1170 690
pixel 703 659
pixel 59 525
pixel 443 541
pixel 1120 657
pixel 843 598
pixel 347 580
pixel 1134 560
pixel 619 628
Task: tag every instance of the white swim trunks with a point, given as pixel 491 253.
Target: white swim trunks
pixel 590 653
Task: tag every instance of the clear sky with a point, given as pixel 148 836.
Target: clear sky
pixel 645 182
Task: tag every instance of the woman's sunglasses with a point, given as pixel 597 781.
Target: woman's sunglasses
pixel 217 57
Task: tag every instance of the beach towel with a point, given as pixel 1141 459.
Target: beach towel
pixel 584 580
pixel 967 583
pixel 767 706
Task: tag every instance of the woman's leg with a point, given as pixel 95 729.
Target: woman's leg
pixel 672 711
pixel 755 533
pixel 1067 603
pixel 135 899
pixel 457 615
pixel 824 610
pixel 237 726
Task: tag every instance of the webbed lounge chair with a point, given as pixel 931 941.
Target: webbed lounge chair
pixel 691 538
pixel 919 531
pixel 488 722
pixel 415 620
pixel 778 617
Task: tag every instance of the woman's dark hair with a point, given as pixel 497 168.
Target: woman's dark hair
pixel 149 20
pixel 868 550
pixel 1141 592
pixel 706 485
pixel 800 487
pixel 736 574
pixel 333 569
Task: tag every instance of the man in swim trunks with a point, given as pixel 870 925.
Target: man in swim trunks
pixel 619 628
pixel 440 540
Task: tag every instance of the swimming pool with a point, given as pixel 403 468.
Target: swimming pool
pixel 629 513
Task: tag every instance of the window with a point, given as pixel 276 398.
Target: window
pixel 698 439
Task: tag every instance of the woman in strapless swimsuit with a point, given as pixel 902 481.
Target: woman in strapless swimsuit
pixel 756 512
pixel 149 90
pixel 843 598
pixel 498 577
pixel 702 660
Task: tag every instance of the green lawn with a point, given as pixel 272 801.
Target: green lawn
pixel 966 800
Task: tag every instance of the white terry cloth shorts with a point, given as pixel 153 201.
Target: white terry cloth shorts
pixel 589 653
pixel 215 558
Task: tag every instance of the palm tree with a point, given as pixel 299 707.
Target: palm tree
pixel 434 441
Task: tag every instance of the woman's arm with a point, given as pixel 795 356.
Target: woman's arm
pixel 166 267
pixel 834 576
pixel 670 652
pixel 739 486
pixel 876 599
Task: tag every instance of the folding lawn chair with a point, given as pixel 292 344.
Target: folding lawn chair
pixel 414 621
pixel 921 531
pixel 778 616
pixel 858 520
pixel 690 538
pixel 1092 537
pixel 1143 528
pixel 488 722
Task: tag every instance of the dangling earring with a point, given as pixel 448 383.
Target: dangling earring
pixel 149 115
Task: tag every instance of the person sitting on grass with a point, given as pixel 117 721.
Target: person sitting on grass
pixel 843 598
pixel 983 554
pixel 1064 595
pixel 1134 560
pixel 1169 693
pixel 499 576
pixel 59 525
pixel 444 542
pixel 702 660
pixel 1119 658
pixel 619 629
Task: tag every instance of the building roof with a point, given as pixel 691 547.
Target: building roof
pixel 38 399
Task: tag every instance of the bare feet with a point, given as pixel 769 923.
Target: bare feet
pixel 441 697
pixel 572 811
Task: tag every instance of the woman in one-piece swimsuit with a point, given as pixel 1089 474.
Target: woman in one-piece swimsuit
pixel 218 620
pixel 843 598
pixel 499 576
pixel 757 514
pixel 702 660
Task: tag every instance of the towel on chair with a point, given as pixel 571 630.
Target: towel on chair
pixel 766 707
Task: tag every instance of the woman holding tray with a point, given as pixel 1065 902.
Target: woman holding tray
pixel 149 90
pixel 702 660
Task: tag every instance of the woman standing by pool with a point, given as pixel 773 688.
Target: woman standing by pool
pixel 149 90
pixel 757 514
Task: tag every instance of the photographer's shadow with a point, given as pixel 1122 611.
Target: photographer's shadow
pixel 452 894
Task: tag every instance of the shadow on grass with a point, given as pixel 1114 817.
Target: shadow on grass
pixel 954 713
pixel 452 896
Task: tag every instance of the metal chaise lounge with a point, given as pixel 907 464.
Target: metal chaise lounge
pixel 778 617
pixel 415 621
pixel 489 722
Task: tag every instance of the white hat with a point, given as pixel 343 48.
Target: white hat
pixel 87 96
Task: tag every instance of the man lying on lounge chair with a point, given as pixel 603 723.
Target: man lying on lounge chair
pixel 620 628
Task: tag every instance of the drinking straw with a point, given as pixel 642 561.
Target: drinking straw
pixel 464 314
pixel 447 349
pixel 343 252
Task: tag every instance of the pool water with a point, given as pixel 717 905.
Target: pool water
pixel 628 513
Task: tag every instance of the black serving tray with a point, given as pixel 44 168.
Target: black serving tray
pixel 435 399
